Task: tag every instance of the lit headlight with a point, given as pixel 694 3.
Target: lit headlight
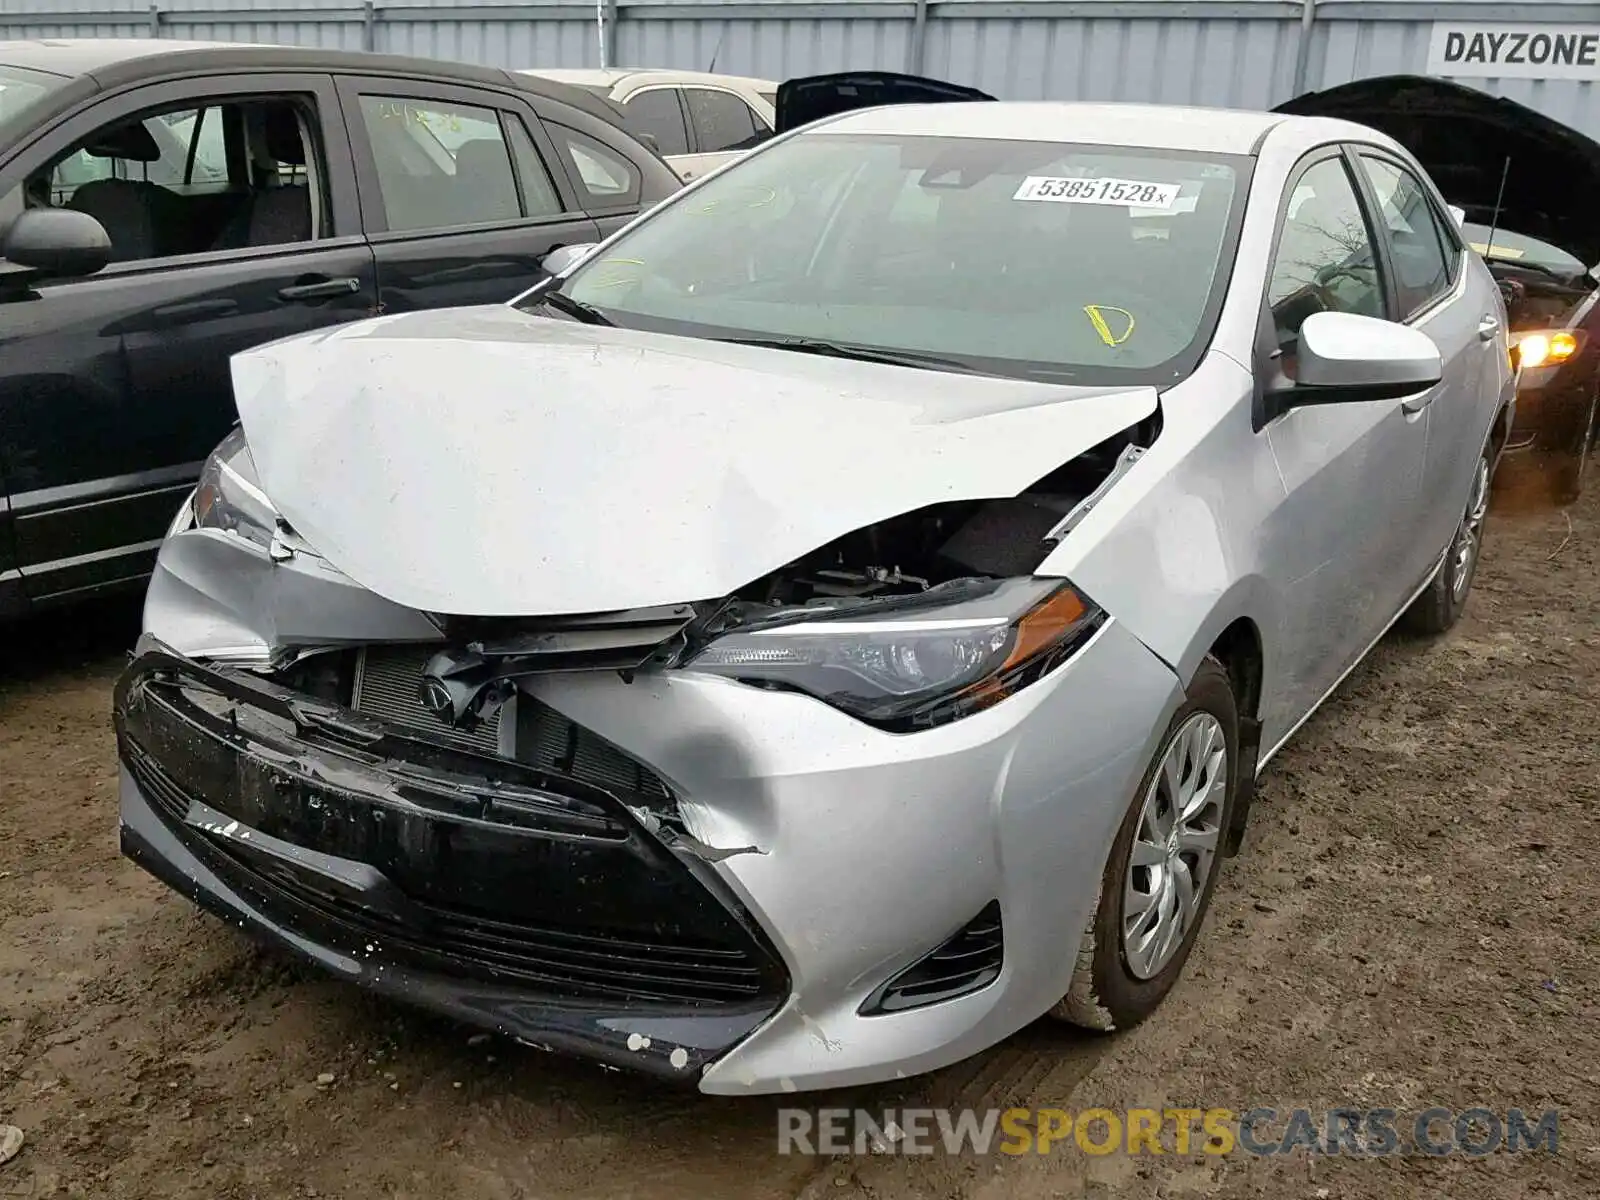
pixel 909 664
pixel 230 498
pixel 1544 349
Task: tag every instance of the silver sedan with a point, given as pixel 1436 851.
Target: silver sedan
pixel 840 619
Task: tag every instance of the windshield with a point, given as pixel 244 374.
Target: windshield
pixel 1516 248
pixel 20 88
pixel 1081 263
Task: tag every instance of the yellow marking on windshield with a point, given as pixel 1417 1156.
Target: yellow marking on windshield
pixel 621 279
pixel 1096 314
pixel 712 205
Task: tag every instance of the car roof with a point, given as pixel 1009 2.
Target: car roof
pixel 70 57
pixel 612 76
pixel 1157 126
pixel 112 61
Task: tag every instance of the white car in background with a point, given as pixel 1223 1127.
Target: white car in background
pixel 698 120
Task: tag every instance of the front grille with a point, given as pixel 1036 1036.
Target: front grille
pixel 386 687
pixel 967 961
pixel 582 964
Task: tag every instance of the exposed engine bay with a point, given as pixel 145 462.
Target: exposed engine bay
pixel 1539 299
pixel 927 553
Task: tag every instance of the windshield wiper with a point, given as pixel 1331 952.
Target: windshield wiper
pixel 577 309
pixel 893 358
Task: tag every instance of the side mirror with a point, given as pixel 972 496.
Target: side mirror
pixel 58 242
pixel 649 139
pixel 1348 358
pixel 563 258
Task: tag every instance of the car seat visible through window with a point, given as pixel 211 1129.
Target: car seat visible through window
pixel 277 212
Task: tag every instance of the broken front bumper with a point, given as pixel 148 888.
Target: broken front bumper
pixel 502 895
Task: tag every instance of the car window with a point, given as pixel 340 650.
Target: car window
pixel 1324 260
pixel 1017 257
pixel 201 131
pixel 440 164
pixel 1424 253
pixel 160 185
pixel 610 180
pixel 658 113
pixel 539 196
pixel 172 134
pixel 722 121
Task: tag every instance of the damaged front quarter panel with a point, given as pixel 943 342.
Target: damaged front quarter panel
pixel 217 595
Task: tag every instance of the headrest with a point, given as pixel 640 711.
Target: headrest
pixel 481 156
pixel 281 135
pixel 132 142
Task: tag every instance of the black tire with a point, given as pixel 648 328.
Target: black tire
pixel 1445 598
pixel 1105 994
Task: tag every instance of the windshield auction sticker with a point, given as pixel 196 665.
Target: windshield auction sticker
pixel 1133 193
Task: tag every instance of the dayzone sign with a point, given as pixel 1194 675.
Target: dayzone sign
pixel 1515 51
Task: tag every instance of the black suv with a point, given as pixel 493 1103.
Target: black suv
pixel 166 204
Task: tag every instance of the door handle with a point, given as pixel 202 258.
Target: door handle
pixel 1488 327
pixel 321 289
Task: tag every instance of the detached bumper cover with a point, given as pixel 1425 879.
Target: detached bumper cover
pixel 495 893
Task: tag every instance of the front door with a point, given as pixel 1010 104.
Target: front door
pixel 462 191
pixel 1351 472
pixel 115 387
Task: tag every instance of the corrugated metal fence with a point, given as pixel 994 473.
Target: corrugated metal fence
pixel 1234 53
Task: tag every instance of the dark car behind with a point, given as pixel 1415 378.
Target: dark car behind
pixel 167 204
pixel 1555 337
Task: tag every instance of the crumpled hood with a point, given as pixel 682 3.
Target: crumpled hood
pixel 1463 137
pixel 490 463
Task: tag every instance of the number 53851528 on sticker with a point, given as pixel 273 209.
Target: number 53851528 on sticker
pixel 1134 193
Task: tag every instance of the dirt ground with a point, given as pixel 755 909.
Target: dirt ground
pixel 1414 922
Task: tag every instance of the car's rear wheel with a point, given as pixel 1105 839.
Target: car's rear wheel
pixel 1163 867
pixel 1445 598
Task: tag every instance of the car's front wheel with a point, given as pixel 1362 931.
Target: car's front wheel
pixel 1445 598
pixel 1163 867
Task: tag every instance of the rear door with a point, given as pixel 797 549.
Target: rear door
pixel 1434 293
pixel 462 192
pixel 114 387
pixel 657 110
pixel 810 98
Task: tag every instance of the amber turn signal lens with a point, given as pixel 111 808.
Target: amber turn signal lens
pixel 1545 349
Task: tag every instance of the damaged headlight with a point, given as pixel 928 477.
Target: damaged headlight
pixel 229 496
pixel 905 666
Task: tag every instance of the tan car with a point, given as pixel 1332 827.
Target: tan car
pixel 697 120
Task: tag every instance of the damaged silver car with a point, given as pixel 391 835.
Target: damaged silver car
pixel 840 619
